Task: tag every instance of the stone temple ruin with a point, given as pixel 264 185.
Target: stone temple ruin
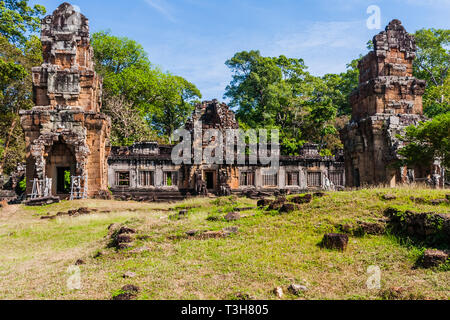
pixel 145 171
pixel 66 133
pixel 388 100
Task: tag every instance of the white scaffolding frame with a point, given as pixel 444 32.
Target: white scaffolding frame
pixel 41 188
pixel 79 188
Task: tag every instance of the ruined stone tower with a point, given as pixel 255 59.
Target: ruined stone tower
pixel 66 132
pixel 387 100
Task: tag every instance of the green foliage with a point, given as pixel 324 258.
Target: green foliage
pixel 67 181
pixel 432 64
pixel 15 95
pixel 430 140
pixel 18 20
pixel 151 102
pixel 279 93
pixel 23 185
pixel 340 86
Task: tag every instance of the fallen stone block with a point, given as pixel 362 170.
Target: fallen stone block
pixel 232 216
pixel 302 199
pixel 388 197
pixel 263 203
pixel 42 201
pixel 288 208
pixel 278 291
pixel 128 292
pixel 434 258
pixel 335 241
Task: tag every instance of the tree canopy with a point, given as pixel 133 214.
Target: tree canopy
pixel 279 93
pixel 432 64
pixel 162 101
pixel 429 141
pixel 18 20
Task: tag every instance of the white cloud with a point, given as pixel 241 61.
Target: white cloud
pixel 161 7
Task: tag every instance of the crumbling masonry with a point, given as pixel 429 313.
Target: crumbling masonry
pixel 66 132
pixel 388 100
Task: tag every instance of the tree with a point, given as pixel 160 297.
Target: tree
pixel 340 86
pixel 428 141
pixel 18 20
pixel 127 125
pixel 432 64
pixel 160 101
pixel 175 104
pixel 278 93
pixel 20 50
pixel 15 95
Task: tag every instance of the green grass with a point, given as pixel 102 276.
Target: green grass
pixel 270 250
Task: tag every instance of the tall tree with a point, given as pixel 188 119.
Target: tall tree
pixel 18 20
pixel 20 50
pixel 429 141
pixel 162 101
pixel 340 86
pixel 432 64
pixel 15 95
pixel 278 93
pixel 175 104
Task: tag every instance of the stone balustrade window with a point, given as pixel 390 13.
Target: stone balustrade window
pixel 170 179
pixel 146 178
pixel 292 179
pixel 122 179
pixel 247 179
pixel 337 178
pixel 270 180
pixel 314 179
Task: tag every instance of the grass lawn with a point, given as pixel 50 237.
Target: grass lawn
pixel 270 250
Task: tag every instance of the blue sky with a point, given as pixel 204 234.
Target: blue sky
pixel 194 38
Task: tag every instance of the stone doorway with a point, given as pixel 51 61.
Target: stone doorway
pixel 62 183
pixel 210 179
pixel 60 160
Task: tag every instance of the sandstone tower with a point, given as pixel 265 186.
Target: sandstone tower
pixel 66 132
pixel 387 100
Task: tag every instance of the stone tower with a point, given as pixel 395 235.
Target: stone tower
pixel 66 132
pixel 387 100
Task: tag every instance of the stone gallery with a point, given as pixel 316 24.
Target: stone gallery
pixel 67 135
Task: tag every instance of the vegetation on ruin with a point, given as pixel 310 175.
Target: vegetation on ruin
pixel 428 141
pixel 270 250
